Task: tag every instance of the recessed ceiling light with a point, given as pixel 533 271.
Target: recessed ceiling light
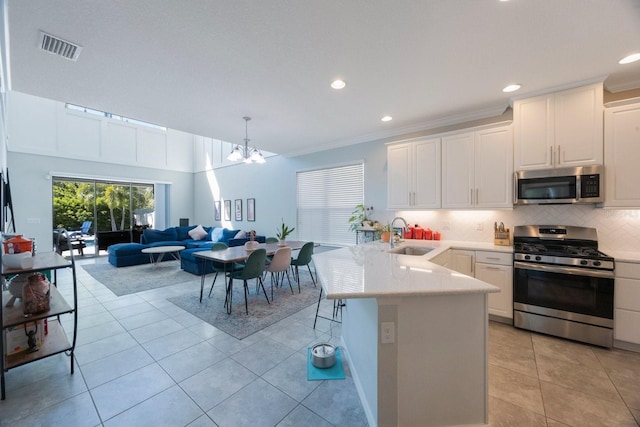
pixel 511 88
pixel 338 84
pixel 386 118
pixel 629 59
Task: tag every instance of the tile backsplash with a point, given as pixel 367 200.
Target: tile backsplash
pixel 617 229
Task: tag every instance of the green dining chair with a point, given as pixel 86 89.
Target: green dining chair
pixel 271 240
pixel 253 269
pixel 304 258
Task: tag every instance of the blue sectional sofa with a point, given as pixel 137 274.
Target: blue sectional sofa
pixel 126 254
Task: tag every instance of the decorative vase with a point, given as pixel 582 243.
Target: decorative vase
pixel 36 294
pixel 282 242
pixel 251 245
pixel 384 236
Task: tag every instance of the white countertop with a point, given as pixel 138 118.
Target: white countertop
pixel 622 256
pixel 370 271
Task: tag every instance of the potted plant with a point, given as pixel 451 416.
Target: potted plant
pixel 385 232
pixel 360 217
pixel 283 232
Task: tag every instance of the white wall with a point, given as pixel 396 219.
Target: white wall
pixel 42 126
pixel 45 137
pixel 273 185
pixel 31 189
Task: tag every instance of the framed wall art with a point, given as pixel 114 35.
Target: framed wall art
pixel 238 209
pixel 218 213
pixel 251 209
pixel 227 210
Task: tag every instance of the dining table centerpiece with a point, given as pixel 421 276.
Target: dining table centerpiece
pixel 251 244
pixel 283 232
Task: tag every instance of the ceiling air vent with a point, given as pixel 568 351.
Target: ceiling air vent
pixel 57 46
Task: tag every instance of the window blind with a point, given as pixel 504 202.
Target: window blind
pixel 325 200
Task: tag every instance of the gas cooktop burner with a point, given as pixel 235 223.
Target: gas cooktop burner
pixel 560 245
pixel 557 250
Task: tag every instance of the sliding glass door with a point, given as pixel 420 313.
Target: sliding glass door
pixel 118 211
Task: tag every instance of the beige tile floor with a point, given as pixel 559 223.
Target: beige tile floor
pixel 143 361
pixel 537 380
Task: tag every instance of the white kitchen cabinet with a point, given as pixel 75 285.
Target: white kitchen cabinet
pixel 496 268
pixel 442 259
pixel 413 175
pixel 560 129
pixel 462 261
pixel 621 154
pixel 477 169
pixel 627 303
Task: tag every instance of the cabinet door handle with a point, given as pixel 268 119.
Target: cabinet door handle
pixel 491 268
pixel 551 154
pixel 471 195
pixel 493 257
pixel 559 159
pixel 477 198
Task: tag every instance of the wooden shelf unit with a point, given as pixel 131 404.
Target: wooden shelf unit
pixel 56 340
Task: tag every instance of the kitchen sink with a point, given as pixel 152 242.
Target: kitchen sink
pixel 411 250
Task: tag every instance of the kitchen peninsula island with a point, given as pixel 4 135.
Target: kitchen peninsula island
pixel 415 334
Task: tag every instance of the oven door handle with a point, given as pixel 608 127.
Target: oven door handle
pixel 564 270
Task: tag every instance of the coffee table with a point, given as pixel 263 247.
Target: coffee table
pixel 161 251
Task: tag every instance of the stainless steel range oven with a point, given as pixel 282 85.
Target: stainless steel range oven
pixel 562 284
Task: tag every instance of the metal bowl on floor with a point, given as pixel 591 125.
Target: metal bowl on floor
pixel 323 355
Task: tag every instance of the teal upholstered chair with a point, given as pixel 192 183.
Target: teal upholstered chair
pixel 253 269
pixel 304 258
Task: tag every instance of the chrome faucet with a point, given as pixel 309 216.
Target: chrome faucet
pixel 391 244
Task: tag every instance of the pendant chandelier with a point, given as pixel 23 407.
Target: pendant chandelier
pixel 246 154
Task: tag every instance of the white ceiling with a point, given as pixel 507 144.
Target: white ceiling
pixel 201 65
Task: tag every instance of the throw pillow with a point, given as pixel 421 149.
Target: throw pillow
pixel 216 234
pixel 241 235
pixel 198 233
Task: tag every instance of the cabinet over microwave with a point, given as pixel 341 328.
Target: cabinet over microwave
pixel 582 184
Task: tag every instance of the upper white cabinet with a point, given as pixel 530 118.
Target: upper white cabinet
pixel 413 174
pixel 477 169
pixel 559 129
pixel 621 154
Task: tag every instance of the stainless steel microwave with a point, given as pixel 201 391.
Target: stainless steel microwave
pixel 582 184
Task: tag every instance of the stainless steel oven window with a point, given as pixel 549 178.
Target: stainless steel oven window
pixel 589 295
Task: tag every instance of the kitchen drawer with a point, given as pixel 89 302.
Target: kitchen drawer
pixel 501 258
pixel 628 269
pixel 626 326
pixel 627 294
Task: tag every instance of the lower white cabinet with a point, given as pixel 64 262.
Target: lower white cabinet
pixel 627 303
pixel 496 268
pixel 442 259
pixel 462 261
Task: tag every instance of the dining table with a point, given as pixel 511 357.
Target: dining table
pixel 240 254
